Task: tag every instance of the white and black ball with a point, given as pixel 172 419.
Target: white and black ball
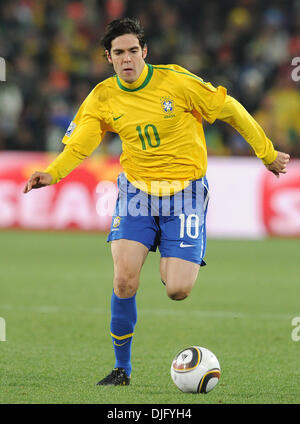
pixel 195 370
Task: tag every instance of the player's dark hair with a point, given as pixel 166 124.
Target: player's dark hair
pixel 120 27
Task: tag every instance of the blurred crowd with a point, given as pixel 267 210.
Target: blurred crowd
pixel 54 58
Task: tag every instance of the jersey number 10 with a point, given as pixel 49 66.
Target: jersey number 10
pixel 150 133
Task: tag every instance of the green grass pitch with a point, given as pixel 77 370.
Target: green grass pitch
pixel 55 291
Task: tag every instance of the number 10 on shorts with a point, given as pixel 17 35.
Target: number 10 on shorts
pixel 189 225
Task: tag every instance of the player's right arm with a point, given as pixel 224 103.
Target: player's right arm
pixel 65 162
pixel 82 137
pixel 38 180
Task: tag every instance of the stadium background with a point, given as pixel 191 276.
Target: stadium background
pixel 54 58
pixel 55 286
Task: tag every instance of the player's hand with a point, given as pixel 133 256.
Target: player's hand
pixel 279 165
pixel 38 180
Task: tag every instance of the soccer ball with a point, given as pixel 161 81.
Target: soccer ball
pixel 195 370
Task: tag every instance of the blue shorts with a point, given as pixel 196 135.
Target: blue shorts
pixel 175 224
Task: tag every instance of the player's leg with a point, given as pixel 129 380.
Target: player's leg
pixel 179 276
pixel 183 239
pixel 128 258
pixel 132 235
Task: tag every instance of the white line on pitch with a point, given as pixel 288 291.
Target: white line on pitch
pixel 49 309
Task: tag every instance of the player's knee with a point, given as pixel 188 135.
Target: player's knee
pixel 178 294
pixel 125 285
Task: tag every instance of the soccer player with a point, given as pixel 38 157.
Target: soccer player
pixel 163 193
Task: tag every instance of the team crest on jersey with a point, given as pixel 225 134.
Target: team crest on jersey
pixel 167 104
pixel 116 222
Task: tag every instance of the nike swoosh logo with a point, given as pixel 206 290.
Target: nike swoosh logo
pixel 121 344
pixel 118 117
pixel 185 245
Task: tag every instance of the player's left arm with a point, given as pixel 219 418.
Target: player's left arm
pixel 234 114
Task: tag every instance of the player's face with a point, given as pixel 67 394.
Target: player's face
pixel 127 57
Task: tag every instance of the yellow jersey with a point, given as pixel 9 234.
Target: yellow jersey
pixel 159 120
